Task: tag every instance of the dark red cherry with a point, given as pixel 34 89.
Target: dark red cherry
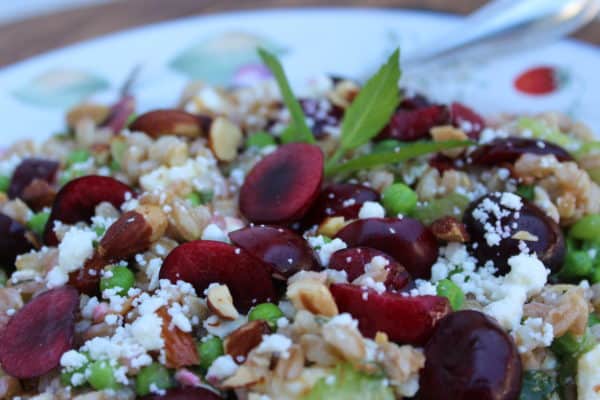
pixel 410 125
pixel 185 393
pixel 283 185
pixel 282 249
pixel 407 240
pixel 530 225
pixel 353 261
pixel 468 120
pixel 404 319
pixel 339 199
pixel 508 150
pixel 13 241
pixel 29 170
pixel 470 357
pixel 323 117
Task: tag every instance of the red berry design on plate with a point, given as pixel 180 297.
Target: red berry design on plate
pixel 542 80
pixel 203 262
pixel 77 201
pixel 404 319
pixel 470 356
pixel 285 251
pixel 283 185
pixel 354 260
pixel 39 333
pixel 407 240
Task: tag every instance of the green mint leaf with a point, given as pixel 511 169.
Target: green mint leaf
pixel 372 109
pixel 404 153
pixel 298 130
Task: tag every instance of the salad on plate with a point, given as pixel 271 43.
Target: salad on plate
pixel 360 242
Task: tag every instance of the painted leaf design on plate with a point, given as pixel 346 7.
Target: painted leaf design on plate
pixel 219 59
pixel 60 88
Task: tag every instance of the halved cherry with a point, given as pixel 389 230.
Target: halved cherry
pixel 203 262
pixel 410 125
pixel 29 170
pixel 354 260
pixel 13 241
pixel 77 201
pixel 404 319
pixel 339 199
pixel 406 239
pixel 465 118
pixel 282 249
pixel 39 333
pixel 185 393
pixel 529 225
pixel 469 356
pixel 283 185
pixel 508 150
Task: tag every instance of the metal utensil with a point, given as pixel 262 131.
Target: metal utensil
pixel 505 26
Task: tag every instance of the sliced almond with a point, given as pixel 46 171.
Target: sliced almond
pixel 168 122
pixel 245 338
pixel 180 347
pixel 156 218
pixel 331 226
pixel 127 236
pixel 220 302
pixel 291 366
pixel 94 112
pixel 313 296
pixel 224 139
pixel 525 236
pixel 448 132
pixel 449 229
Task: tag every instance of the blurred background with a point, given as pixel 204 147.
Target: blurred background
pixel 30 27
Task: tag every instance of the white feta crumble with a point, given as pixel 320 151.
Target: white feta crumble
pixel 532 334
pixel 72 360
pixel 588 376
pixel 147 331
pixel 275 343
pixel 8 165
pixel 223 367
pixel 213 232
pixel 325 250
pixel 74 249
pixel 424 288
pixel 371 209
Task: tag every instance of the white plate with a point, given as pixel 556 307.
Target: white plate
pixel 221 49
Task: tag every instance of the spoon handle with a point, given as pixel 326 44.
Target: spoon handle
pixel 507 25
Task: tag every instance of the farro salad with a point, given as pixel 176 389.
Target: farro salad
pixel 359 242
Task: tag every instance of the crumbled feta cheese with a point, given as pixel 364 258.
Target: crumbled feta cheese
pixel 147 331
pixel 74 249
pixel 275 343
pixel 72 360
pixel 213 232
pixel 223 367
pixel 588 376
pixel 325 250
pixel 532 334
pixel 371 209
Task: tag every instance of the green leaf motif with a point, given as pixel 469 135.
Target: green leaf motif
pixel 374 105
pixel 404 153
pixel 216 59
pixel 60 88
pixel 298 130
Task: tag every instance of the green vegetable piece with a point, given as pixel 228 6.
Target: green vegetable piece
pixel 102 376
pixel 593 319
pixel 455 295
pixel 399 199
pixel 578 264
pixel 118 277
pixel 538 385
pixel 198 198
pixel 260 140
pixel 595 275
pixel 298 124
pixel 587 228
pixel 4 183
pixel 405 153
pixel 453 204
pixel 540 130
pixel 387 145
pixel 69 174
pixel 77 156
pixel 37 222
pixel 268 312
pixel 350 384
pixel 118 147
pixel 209 350
pixel 154 375
pixel 571 346
pixel 526 191
pixel 372 108
pixel 66 377
pixel 132 117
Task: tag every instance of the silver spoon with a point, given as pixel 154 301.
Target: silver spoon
pixel 504 26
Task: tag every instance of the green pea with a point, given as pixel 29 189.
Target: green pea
pixel 154 375
pixel 587 228
pixel 199 198
pixel 209 350
pixel 260 140
pixel 578 264
pixel 37 223
pixel 538 385
pixel 118 277
pixel 386 146
pixel 268 312
pixel 593 319
pixel 595 275
pixel 77 156
pixel 526 191
pixel 4 183
pixel 455 295
pixel 102 376
pixel 399 199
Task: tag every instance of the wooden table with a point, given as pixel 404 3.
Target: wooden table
pixel 36 35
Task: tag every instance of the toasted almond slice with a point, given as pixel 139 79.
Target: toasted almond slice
pixel 220 302
pixel 224 139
